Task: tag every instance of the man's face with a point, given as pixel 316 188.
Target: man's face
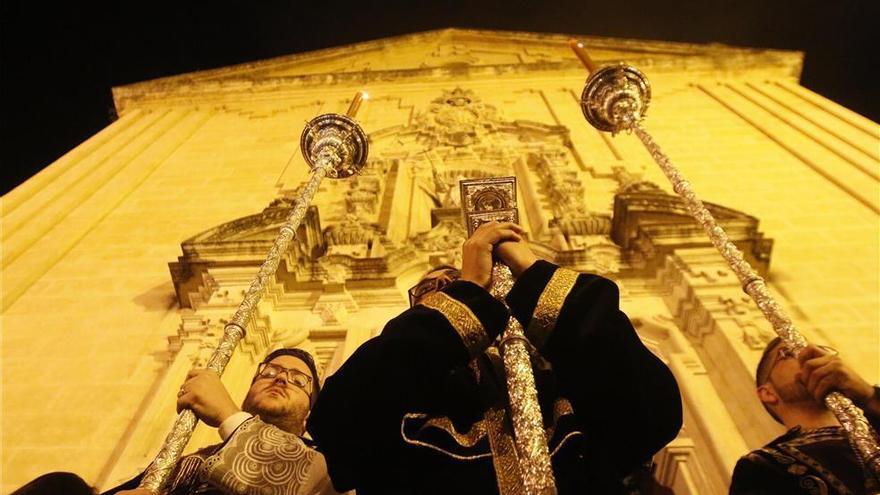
pixel 782 377
pixel 431 283
pixel 276 399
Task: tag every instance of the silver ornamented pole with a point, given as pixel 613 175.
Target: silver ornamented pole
pixel 615 99
pixel 486 200
pixel 525 411
pixel 334 146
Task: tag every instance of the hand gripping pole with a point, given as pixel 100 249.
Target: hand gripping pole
pixel 615 98
pixel 333 145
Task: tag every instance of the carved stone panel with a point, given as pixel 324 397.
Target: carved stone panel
pixel 648 224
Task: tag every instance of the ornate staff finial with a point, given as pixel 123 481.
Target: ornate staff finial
pixel 333 145
pixel 615 96
pixel 336 141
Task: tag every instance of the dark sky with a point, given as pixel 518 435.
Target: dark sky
pixel 58 60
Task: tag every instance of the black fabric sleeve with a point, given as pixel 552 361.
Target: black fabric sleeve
pixel 754 478
pixel 625 398
pixel 357 418
pixel 128 485
pixel 874 420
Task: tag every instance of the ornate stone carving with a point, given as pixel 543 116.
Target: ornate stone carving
pixel 245 240
pixel 562 183
pixel 649 224
pixel 334 308
pixel 350 237
pixel 362 199
pixel 702 294
pixel 446 193
pixel 444 236
pixel 193 328
pixel 457 118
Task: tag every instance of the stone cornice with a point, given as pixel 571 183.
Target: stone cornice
pixel 256 77
pixel 649 224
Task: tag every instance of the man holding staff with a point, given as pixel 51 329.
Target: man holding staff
pixel 422 408
pixel 263 451
pixel 814 455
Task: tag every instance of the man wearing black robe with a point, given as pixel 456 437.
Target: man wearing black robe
pixel 422 408
pixel 814 456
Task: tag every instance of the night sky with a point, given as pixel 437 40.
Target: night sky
pixel 59 60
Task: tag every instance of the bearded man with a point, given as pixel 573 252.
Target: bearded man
pixel 814 455
pixel 265 434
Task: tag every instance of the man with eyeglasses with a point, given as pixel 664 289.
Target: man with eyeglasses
pixel 263 450
pixel 423 407
pixel 814 455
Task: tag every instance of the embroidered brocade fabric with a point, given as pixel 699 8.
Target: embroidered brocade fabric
pixel 462 319
pixel 186 479
pixel 549 304
pixel 505 460
pixel 808 462
pixel 493 425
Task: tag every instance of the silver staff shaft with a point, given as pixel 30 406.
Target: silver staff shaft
pixel 157 474
pixel 333 145
pixel 615 99
pixel 861 436
pixel 494 199
pixel 528 424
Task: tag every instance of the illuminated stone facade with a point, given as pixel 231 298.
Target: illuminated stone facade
pixel 122 259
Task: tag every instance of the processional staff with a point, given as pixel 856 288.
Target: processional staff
pixel 615 99
pixel 494 199
pixel 334 146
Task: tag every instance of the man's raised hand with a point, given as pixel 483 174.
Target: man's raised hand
pixel 517 255
pixel 476 259
pixel 204 393
pixel 823 372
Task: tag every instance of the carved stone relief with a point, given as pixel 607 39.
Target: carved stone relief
pixel 702 293
pixel 457 136
pixel 461 137
pixel 648 224
pixel 198 329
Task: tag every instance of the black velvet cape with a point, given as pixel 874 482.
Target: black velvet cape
pixel 403 414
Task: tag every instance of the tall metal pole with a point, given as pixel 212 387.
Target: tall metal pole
pixel 494 199
pixel 335 146
pixel 615 99
pixel 525 411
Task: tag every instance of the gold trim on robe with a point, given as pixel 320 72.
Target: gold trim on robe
pixel 549 304
pixel 462 319
pixel 508 475
pixel 467 440
pixel 416 427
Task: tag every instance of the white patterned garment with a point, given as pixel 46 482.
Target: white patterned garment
pixel 261 459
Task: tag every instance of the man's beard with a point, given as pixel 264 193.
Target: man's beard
pixel 286 416
pixel 794 393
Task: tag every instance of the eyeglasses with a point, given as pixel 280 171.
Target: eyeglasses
pixel 784 353
pixel 428 285
pixel 293 376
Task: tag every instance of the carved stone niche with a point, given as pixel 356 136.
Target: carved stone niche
pixel 439 215
pixel 245 242
pixel 648 224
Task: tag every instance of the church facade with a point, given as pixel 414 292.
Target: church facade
pixel 123 259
